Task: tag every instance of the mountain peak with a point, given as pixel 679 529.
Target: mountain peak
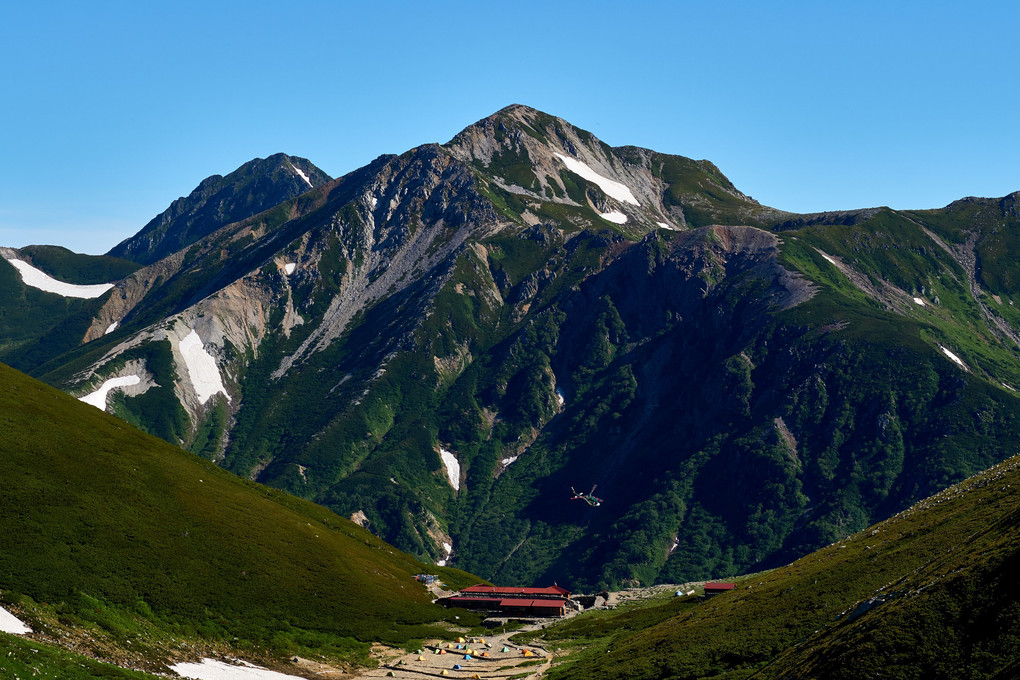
pixel 257 185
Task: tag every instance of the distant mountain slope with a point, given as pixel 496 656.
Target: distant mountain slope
pixel 928 593
pixel 254 187
pixel 152 548
pixel 444 342
pixel 37 324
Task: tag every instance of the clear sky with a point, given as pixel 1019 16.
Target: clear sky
pixel 111 110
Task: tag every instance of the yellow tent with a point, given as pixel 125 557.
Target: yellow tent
pixel 460 639
pixel 421 658
pixel 526 652
pixel 444 672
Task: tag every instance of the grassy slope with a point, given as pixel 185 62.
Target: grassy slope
pixel 36 325
pixel 24 659
pixel 113 529
pixel 928 593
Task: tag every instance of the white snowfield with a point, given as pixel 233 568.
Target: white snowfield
pixel 919 301
pixel 9 623
pixel 448 549
pixel 611 187
pixel 43 281
pixel 452 467
pixel 666 226
pixel 614 216
pixel 302 175
pixel 202 368
pixel 507 462
pixel 289 267
pixel 955 359
pixel 98 398
pixel 111 328
pixel 210 669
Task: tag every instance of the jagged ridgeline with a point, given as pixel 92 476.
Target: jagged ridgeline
pixel 122 546
pixel 443 343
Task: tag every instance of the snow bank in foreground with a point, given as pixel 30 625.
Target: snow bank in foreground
pixel 43 281
pixel 954 358
pixel 202 369
pixel 612 188
pixel 9 623
pixel 98 398
pixel 452 467
pixel 217 670
pixel 614 216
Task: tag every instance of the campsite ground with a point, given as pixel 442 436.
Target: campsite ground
pixel 498 665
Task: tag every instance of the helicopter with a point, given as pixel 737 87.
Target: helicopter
pixel 588 498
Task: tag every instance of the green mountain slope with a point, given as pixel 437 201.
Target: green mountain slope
pixel 108 529
pixel 443 343
pixel 36 325
pixel 928 593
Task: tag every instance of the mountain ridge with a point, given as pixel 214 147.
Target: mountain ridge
pixel 512 298
pixel 217 201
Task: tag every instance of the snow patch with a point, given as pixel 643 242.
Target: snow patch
pixel 289 267
pixel 919 301
pixel 452 467
pixel 210 669
pixel 202 369
pixel 614 216
pixel 663 225
pixel 507 462
pixel 954 358
pixel 111 328
pixel 43 281
pixel 302 175
pixel 9 623
pixel 830 259
pixel 98 398
pixel 374 200
pixel 611 188
pixel 448 549
pixel 560 399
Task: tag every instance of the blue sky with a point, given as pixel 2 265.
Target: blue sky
pixel 111 110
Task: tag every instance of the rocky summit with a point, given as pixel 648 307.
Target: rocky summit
pixel 459 345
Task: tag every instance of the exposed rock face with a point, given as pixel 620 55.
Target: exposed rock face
pixel 559 313
pixel 256 186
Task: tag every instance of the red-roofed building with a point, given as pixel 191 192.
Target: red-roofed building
pixel 549 601
pixel 716 588
pixel 554 592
